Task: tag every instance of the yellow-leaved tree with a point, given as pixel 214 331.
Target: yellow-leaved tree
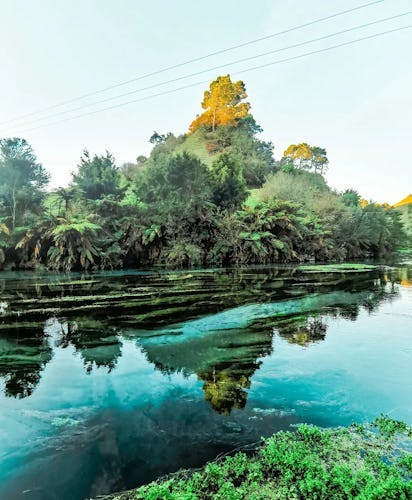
pixel 306 157
pixel 222 104
pixel 298 153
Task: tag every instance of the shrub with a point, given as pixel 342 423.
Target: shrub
pixel 312 463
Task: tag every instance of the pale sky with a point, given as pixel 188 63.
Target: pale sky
pixel 355 101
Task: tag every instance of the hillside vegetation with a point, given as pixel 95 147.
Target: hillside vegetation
pixel 213 196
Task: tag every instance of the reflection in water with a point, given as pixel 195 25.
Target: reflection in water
pixel 98 347
pixel 221 345
pixel 24 352
pixel 110 380
pixel 303 331
pixel 224 385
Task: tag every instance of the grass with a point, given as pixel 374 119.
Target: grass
pixel 195 144
pixel 362 461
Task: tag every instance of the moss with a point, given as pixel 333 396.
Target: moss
pixel 312 463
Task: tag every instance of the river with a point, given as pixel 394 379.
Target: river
pixel 110 380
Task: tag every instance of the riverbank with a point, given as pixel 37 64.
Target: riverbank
pixel 362 461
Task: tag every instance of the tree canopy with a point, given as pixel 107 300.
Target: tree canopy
pixel 22 180
pixel 223 104
pixel 97 176
pixel 305 157
pixel 229 187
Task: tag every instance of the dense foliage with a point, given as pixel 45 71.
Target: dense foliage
pixel 215 196
pixel 365 462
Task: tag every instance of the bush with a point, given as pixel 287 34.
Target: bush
pixel 312 463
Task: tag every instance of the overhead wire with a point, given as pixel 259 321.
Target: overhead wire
pixel 293 58
pixel 190 61
pixel 219 66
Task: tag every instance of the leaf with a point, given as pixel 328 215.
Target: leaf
pixel 244 235
pixel 4 229
pixel 278 244
pixel 255 236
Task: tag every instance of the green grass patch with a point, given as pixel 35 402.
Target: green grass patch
pixel 195 144
pixel 362 461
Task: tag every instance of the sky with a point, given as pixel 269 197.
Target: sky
pixel 355 100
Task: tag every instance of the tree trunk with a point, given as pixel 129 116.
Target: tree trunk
pixel 214 120
pixel 13 209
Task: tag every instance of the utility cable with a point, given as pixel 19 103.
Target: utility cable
pixel 190 61
pixel 300 56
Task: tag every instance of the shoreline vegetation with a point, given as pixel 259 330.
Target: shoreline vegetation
pixel 368 461
pixel 215 196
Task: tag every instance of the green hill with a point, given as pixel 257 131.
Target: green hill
pixel 242 141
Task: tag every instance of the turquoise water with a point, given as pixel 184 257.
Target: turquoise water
pixel 110 380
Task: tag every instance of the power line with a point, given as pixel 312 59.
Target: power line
pixel 300 56
pixel 190 61
pixel 197 73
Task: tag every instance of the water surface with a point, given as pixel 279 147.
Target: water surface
pixel 110 380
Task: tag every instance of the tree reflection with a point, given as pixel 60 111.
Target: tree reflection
pixel 98 347
pixel 91 316
pixel 23 355
pixel 224 386
pixel 226 360
pixel 303 331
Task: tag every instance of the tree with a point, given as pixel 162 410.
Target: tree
pixel 319 161
pixel 157 138
pixel 174 184
pixel 130 170
pixel 305 157
pixel 64 196
pixel 4 233
pixel 229 188
pixel 22 180
pixel 298 154
pixel 382 228
pixel 351 198
pixel 73 241
pixel 97 177
pixel 222 104
pixel 255 155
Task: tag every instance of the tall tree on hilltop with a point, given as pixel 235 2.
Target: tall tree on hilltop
pixel 222 104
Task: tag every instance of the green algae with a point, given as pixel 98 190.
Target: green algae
pixel 205 323
pixel 337 268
